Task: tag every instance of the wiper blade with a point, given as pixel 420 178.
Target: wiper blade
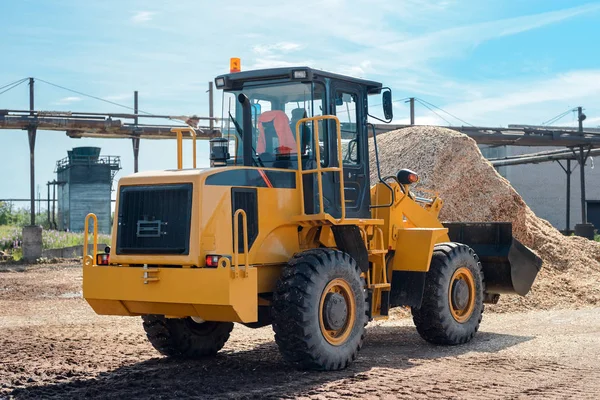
pixel 238 128
pixel 240 132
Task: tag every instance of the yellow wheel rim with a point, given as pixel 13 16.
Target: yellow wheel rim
pixel 462 314
pixel 337 337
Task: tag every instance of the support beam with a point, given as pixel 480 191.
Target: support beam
pixel 31 134
pixel 583 155
pixel 568 171
pixel 135 141
pixel 412 110
pixel 211 110
pixel 48 209
pixel 536 158
pixel 54 206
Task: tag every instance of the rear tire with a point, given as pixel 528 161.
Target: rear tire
pixel 452 305
pixel 184 338
pixel 319 310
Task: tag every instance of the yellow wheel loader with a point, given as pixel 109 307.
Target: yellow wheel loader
pixel 284 229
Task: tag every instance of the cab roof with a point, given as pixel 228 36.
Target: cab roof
pixel 235 81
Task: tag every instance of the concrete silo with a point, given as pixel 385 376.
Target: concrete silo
pixel 84 185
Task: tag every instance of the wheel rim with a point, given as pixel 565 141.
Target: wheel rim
pixel 461 294
pixel 336 290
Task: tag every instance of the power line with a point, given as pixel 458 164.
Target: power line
pixel 444 111
pixel 431 109
pixel 90 96
pixel 558 117
pixel 12 83
pixel 13 86
pixel 378 104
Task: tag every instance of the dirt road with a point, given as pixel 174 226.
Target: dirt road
pixel 53 345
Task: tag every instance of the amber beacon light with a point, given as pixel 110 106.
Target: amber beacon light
pixel 235 65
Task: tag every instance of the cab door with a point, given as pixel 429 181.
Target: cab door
pixel 349 105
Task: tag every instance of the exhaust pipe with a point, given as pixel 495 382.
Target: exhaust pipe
pixel 247 130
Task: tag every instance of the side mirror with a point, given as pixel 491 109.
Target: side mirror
pixel 388 112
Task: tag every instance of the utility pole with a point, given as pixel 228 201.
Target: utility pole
pixel 211 106
pixel 412 110
pixel 135 141
pixel 568 171
pixel 49 224
pixel 582 158
pixel 580 117
pixel 31 133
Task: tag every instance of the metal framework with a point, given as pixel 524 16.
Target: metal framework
pixel 98 125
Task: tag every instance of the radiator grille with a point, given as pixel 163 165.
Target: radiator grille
pixel 154 219
pixel 245 199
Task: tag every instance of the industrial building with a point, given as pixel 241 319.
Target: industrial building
pixel 84 180
pixel 543 186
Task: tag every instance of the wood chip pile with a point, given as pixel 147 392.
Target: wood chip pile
pixel 451 164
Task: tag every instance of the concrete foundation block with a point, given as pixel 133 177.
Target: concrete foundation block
pixel 32 243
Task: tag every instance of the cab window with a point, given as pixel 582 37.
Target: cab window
pixel 347 112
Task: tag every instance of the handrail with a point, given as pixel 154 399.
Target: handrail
pixel 179 131
pixel 86 260
pixel 236 241
pixel 319 170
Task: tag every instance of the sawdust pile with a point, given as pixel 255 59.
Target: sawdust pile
pixel 451 164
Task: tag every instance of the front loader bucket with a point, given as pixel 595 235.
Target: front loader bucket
pixel 508 266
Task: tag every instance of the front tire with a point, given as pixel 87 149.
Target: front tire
pixel 452 305
pixel 185 338
pixel 319 310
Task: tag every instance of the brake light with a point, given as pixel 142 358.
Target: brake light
pixel 102 259
pixel 212 261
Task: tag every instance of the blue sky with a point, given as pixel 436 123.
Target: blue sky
pixel 491 62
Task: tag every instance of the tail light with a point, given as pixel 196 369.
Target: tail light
pixel 212 261
pixel 102 259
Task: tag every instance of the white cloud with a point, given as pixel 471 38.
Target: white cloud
pixel 281 47
pixel 142 16
pixel 566 88
pixel 415 53
pixel 67 100
pixel 275 62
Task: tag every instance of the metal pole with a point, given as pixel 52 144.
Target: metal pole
pixel 568 171
pixel 31 133
pixel 136 140
pixel 582 158
pixel 54 206
pixel 211 110
pixel 49 225
pixel 412 110
pixel 580 119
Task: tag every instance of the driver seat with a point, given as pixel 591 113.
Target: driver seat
pixel 275 135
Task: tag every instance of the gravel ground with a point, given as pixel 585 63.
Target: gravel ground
pixel 52 345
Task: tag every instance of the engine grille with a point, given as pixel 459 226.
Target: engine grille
pixel 245 199
pixel 154 219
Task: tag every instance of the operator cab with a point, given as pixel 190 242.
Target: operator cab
pixel 274 100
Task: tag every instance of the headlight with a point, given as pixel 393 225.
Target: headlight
pixel 220 82
pixel 299 74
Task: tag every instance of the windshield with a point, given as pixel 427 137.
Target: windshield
pixel 276 108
